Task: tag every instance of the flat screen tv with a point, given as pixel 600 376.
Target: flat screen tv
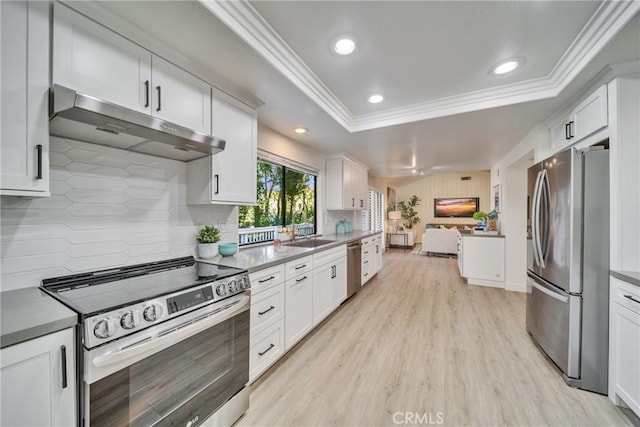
pixel 461 207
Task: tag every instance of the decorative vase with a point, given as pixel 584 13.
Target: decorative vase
pixel 207 250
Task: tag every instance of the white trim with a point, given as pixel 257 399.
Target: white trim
pixel 247 23
pixel 515 287
pixel 283 161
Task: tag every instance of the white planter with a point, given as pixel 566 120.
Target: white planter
pixel 207 250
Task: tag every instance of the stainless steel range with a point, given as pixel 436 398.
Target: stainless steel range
pixel 162 343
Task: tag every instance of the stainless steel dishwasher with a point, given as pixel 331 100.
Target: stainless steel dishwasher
pixel 354 252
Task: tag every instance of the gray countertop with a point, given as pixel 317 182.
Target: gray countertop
pixel 263 256
pixel 632 277
pixel 471 233
pixel 30 313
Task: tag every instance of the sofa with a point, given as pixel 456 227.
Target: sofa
pixel 440 240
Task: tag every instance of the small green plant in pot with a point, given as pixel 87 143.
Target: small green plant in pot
pixel 208 238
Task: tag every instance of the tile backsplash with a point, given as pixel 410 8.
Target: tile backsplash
pixel 108 207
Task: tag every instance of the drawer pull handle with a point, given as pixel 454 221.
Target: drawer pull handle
pixel 63 350
pixel 301 279
pixel 366 262
pixel 266 311
pixel 267 279
pixel 262 353
pixel 300 266
pixel 632 298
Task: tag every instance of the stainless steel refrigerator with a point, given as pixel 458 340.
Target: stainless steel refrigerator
pixel 568 264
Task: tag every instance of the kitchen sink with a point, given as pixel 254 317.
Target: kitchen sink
pixel 310 243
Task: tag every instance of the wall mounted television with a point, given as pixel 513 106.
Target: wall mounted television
pixel 461 207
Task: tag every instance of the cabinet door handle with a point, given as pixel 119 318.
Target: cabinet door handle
pixel 566 131
pixel 571 135
pixel 353 202
pixel 377 249
pixel 146 93
pixel 632 298
pixel 267 279
pixel 361 203
pixel 333 272
pixel 303 278
pixel 262 353
pixel 159 98
pixel 261 313
pixel 216 179
pixel 39 161
pixel 63 351
pixel 300 266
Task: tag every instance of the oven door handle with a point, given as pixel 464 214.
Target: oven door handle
pixel 189 329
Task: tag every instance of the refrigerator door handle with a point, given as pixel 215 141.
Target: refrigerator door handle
pixel 545 196
pixel 549 292
pixel 535 211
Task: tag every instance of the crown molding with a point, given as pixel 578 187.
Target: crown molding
pixel 246 22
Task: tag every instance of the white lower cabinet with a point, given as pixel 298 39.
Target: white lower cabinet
pixel 298 308
pixel 624 344
pixel 483 260
pixel 266 348
pixel 38 382
pixel 288 300
pixel 371 258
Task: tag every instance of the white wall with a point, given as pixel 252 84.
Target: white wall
pixel 108 207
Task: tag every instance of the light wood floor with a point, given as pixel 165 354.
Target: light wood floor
pixel 417 339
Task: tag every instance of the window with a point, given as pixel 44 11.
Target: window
pixel 282 191
pixel 374 217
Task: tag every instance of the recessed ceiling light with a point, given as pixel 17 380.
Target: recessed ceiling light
pixel 374 99
pixel 300 130
pixel 344 46
pixel 506 67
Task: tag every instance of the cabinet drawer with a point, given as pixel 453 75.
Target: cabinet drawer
pixel 267 278
pixel 625 294
pixel 265 349
pixel 298 267
pixel 325 257
pixel 267 307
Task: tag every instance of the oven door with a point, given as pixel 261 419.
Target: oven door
pixel 176 373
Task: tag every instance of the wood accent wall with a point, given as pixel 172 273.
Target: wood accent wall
pixel 447 185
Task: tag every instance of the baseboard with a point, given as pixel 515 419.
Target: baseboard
pixel 515 287
pixel 488 283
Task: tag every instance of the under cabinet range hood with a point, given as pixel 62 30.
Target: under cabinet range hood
pixel 82 117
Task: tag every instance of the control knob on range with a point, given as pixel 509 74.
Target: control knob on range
pixel 152 313
pixel 221 290
pixel 244 283
pixel 233 286
pixel 130 319
pixel 104 328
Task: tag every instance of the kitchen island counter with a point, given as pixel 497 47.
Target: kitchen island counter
pixel 632 277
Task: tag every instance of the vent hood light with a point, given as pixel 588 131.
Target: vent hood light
pixel 506 67
pixel 81 117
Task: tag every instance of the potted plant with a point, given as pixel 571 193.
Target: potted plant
pixel 208 238
pixel 409 213
pixel 486 220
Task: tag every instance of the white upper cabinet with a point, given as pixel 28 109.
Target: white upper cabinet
pixel 24 122
pixel 180 97
pixel 94 60
pixel 588 117
pixel 228 177
pixel 347 185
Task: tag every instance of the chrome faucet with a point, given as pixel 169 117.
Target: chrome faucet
pixel 293 221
